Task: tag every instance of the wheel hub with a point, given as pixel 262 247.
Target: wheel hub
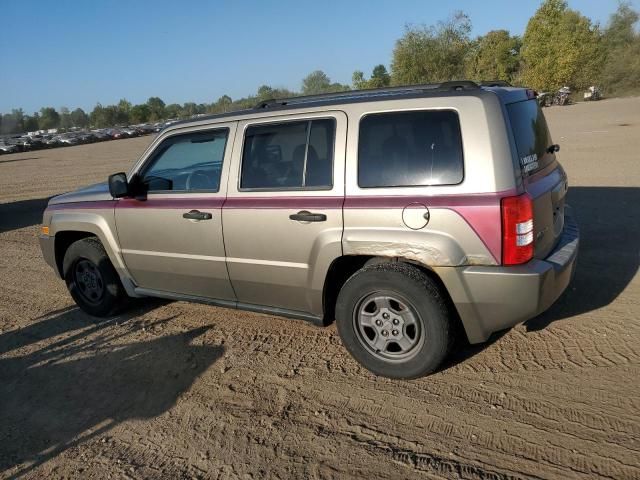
pixel 89 281
pixel 387 326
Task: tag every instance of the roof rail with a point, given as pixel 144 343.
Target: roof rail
pixel 495 83
pixel 455 85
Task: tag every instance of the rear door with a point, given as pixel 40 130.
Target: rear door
pixel 283 215
pixel 544 179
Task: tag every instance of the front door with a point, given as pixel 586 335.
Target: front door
pixel 171 241
pixel 283 214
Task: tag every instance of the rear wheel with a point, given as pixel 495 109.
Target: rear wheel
pixel 91 278
pixel 393 320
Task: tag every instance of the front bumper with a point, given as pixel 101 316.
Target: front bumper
pixel 48 250
pixel 490 299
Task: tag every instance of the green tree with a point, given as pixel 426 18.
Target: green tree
pixel 358 81
pixel 494 56
pixel 379 78
pixel 140 113
pixel 173 110
pixel 123 110
pixel 432 54
pixel 49 118
pixel 13 122
pixel 621 42
pixel 156 108
pixel 79 118
pixel 65 118
pixel 560 47
pixel 265 92
pixel 102 117
pixel 318 82
pixel 189 109
pixel 31 122
pixel 223 104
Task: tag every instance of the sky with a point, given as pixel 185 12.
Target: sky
pixel 76 53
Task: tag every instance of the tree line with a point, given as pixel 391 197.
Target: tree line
pixel 560 46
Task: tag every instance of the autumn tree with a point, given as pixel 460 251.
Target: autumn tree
pixel 621 43
pixel 494 56
pixel 560 47
pixel 432 54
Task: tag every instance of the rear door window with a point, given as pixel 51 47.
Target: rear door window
pixel 291 155
pixel 401 149
pixel 531 135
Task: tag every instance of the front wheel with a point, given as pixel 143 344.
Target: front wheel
pixel 91 279
pixel 394 320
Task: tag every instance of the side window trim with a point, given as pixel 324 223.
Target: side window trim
pixel 150 160
pixel 306 155
pixel 309 121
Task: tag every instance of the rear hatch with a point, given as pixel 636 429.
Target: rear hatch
pixel 544 179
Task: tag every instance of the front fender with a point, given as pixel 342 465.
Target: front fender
pixel 100 223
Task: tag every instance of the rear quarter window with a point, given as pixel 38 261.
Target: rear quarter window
pixel 400 149
pixel 531 134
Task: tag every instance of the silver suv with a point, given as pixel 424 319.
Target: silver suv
pixel 401 213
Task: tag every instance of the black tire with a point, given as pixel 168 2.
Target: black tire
pixel 418 297
pixel 87 258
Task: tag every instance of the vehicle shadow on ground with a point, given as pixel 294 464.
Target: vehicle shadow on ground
pixel 608 218
pixel 88 381
pixel 11 160
pixel 24 213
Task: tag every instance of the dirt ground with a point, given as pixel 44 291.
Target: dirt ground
pixel 177 390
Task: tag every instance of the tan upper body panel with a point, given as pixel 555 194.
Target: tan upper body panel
pixel 254 253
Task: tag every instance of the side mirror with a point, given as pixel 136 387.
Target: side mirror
pixel 118 185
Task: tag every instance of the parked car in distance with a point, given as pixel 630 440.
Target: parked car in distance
pixel 7 148
pixel 402 213
pixel 68 139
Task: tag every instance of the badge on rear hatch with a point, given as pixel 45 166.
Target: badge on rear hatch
pixel 530 162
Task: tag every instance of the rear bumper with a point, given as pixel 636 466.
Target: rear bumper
pixel 48 250
pixel 490 299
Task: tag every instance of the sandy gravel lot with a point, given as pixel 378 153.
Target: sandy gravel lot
pixel 176 390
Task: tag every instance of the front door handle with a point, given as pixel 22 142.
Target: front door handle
pixel 197 215
pixel 305 216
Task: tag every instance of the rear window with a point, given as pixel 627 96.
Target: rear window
pixel 403 149
pixel 531 134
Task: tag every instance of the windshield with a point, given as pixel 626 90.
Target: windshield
pixel 531 135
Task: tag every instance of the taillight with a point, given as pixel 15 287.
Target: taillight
pixel 517 229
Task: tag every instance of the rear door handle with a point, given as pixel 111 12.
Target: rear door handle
pixel 305 216
pixel 197 215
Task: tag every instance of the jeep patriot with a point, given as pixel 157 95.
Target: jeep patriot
pixel 404 213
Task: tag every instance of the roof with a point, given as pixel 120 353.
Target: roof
pixel 500 87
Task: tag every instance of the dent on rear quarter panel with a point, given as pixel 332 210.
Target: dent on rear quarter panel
pixel 447 241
